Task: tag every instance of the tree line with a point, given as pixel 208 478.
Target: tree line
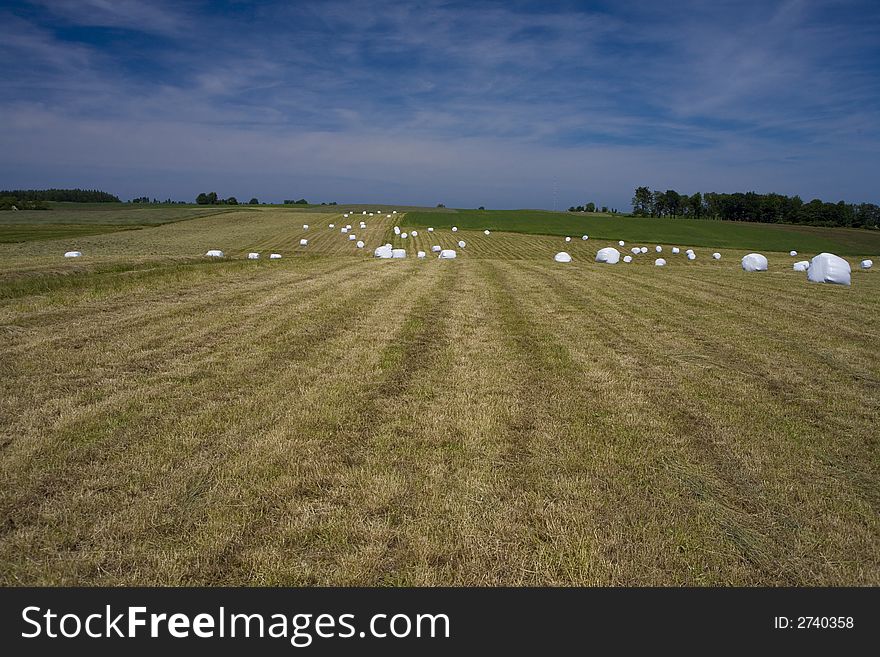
pixel 754 207
pixel 61 195
pixel 592 207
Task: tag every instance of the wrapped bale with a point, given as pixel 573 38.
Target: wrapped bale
pixel 253 256
pixel 754 262
pixel 609 255
pixel 829 268
pixel 213 253
pixel 801 265
pixel 274 256
pixel 447 254
pixel 628 258
pixel 78 254
pixel 867 264
pixel 398 253
pixel 659 262
pixel 562 256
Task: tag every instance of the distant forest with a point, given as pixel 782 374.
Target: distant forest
pixel 68 195
pixel 750 206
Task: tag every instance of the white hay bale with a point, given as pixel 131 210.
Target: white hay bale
pixel 348 226
pixel 461 244
pixel 689 251
pixel 332 226
pixel 716 255
pixel 659 262
pixel 394 212
pixel 213 253
pixel 363 225
pixel 801 265
pixel 447 254
pixel 253 256
pixel 568 239
pixel 420 254
pixel 866 264
pixel 436 249
pixel 621 243
pixel 303 242
pixel 360 244
pixel 343 230
pixel 371 214
pixel 455 229
pixel 345 215
pixel 403 236
pixel 352 237
pixel 305 226
pixel 430 230
pixel 486 232
pixel 644 249
pixel 691 256
pixel 383 251
pixel 398 253
pixel 608 255
pixel 676 250
pixel 636 250
pixel 829 268
pixel 754 262
pixel 627 259
pixel 78 254
pixel 274 256
pixel 658 249
pixel 585 238
pixel 562 256
pixel 397 230
pixel 792 253
pixel 364 212
pixel 415 233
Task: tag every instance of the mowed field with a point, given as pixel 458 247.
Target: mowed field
pixel 498 419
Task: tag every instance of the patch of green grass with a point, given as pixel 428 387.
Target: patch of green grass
pixel 684 232
pixel 14 233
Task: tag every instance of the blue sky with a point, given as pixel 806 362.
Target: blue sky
pixel 502 104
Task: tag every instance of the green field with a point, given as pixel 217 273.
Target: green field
pixel 498 419
pixel 683 232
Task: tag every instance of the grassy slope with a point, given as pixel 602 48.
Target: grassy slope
pixel 498 419
pixel 683 232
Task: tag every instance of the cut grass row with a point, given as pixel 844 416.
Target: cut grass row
pixel 480 421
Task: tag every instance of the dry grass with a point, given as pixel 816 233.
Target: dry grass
pixel 498 419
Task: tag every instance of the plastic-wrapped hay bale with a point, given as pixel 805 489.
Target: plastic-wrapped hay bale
pixel 363 225
pixel 676 250
pixel 383 251
pixel 345 215
pixel 621 243
pixel 332 226
pixel 801 265
pixel 274 256
pixel 436 248
pixel 398 253
pixel 304 242
pixel 585 238
pixel 348 226
pixel 754 262
pixel 394 212
pixel 305 226
pixel 397 230
pixel 866 264
pixel 716 255
pixel 431 229
pixel 455 229
pixel 213 253
pixel 689 251
pixel 415 233
pixel 461 244
pixel 360 244
pixel 562 256
pixel 568 239
pixel 343 230
pixel 420 254
pixel 627 258
pixel 644 249
pixel 403 236
pixel 352 237
pixel 78 254
pixel 658 249
pixel 486 232
pixel 659 262
pixel 792 253
pixel 364 212
pixel 608 255
pixel 691 256
pixel 447 254
pixel 253 256
pixel 636 250
pixel 829 268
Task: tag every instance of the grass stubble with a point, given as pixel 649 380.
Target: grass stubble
pixel 495 420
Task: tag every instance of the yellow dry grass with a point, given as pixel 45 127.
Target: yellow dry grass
pixel 498 419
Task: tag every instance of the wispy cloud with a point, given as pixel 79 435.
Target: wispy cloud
pixel 468 99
